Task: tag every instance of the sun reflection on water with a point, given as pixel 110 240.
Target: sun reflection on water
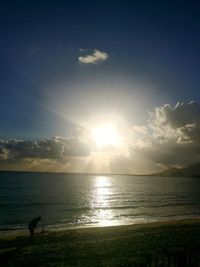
pixel 100 202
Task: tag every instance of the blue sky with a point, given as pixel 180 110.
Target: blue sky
pixel 153 52
pixel 152 59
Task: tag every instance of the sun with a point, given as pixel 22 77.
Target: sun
pixel 105 135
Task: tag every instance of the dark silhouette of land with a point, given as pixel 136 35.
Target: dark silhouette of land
pixel 188 171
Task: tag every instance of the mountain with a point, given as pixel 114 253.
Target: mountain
pixel 191 170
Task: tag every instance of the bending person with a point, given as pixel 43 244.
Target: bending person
pixel 33 224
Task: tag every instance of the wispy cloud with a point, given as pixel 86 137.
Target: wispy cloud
pixel 93 58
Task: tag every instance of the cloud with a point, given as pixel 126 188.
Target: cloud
pixel 72 154
pixel 93 58
pixel 180 124
pixel 172 137
pixel 56 148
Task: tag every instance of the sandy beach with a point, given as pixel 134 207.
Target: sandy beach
pixel 174 243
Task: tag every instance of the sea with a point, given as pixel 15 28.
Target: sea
pixel 81 200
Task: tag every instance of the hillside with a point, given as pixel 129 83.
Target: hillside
pixel 191 170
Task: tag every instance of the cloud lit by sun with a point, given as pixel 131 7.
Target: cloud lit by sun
pixel 105 135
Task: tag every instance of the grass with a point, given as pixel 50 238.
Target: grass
pixel 108 246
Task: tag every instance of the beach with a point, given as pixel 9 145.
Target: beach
pixel 172 243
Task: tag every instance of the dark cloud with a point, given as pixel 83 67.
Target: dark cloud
pixel 173 135
pixel 181 123
pixel 171 138
pixel 55 148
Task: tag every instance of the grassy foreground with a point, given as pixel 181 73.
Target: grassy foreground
pixel 135 245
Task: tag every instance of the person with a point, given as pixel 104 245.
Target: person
pixel 33 224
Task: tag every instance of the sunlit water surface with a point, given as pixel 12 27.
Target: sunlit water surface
pixel 66 200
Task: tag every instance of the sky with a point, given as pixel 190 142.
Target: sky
pixel 69 67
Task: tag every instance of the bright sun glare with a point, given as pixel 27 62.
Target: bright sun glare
pixel 105 135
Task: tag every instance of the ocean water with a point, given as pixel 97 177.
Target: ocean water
pixel 74 200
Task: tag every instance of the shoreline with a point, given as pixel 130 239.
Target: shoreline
pixel 13 234
pixel 148 244
pixel 159 174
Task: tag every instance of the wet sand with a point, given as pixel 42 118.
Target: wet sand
pixel 129 245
